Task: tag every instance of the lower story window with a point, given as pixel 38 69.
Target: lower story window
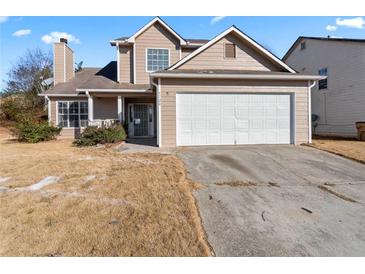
pixel 72 114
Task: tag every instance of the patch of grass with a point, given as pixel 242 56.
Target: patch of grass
pixel 237 183
pixel 137 204
pixel 348 148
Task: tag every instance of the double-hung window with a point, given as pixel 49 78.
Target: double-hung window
pixel 72 114
pixel 157 59
pixel 322 84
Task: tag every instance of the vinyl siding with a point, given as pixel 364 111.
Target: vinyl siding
pixel 186 51
pixel 105 107
pixel 126 64
pixel 246 57
pixel 154 37
pixel 70 72
pixel 63 63
pixel 58 63
pixel 169 88
pixel 343 102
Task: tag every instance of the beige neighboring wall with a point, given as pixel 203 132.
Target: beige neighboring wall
pixel 156 36
pixel 343 102
pixel 63 63
pixel 169 88
pixel 126 64
pixel 246 57
pixel 66 133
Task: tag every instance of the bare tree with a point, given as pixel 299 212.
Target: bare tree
pixel 26 77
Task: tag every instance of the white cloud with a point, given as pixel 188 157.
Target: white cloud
pixel 331 28
pixel 216 19
pixel 357 22
pixel 22 32
pixel 55 37
pixel 3 19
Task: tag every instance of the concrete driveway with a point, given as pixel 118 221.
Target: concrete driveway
pixel 279 200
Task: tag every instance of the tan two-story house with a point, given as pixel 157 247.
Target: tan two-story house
pixel 338 101
pixel 225 91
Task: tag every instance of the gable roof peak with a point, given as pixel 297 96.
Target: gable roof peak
pixel 153 21
pixel 243 36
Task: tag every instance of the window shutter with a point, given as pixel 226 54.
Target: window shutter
pixel 230 51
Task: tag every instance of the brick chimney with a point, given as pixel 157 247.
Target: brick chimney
pixel 63 62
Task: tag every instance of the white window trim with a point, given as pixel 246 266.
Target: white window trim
pixel 149 71
pixel 68 114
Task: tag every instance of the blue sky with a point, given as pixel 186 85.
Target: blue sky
pixel 91 35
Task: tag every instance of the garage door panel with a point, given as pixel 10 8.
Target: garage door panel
pixel 242 138
pixel 228 138
pixel 213 137
pixel 242 125
pixel 255 137
pixel 228 119
pixel 213 124
pixel 228 125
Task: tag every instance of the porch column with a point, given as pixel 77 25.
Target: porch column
pixel 121 109
pixel 90 102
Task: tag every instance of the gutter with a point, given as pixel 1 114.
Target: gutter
pixel 62 95
pixel 114 90
pixel 238 76
pixel 310 86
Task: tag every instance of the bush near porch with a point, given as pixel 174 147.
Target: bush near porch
pixel 34 131
pixel 101 135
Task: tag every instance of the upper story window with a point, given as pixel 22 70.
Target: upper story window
pixel 157 59
pixel 322 84
pixel 303 46
pixel 229 50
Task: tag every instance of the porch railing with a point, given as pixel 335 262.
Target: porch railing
pixel 103 122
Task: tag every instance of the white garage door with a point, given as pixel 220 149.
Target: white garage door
pixel 228 119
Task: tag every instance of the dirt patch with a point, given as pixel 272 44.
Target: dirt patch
pixel 111 204
pixel 348 148
pixel 236 183
pixel 339 195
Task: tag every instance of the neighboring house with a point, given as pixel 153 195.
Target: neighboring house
pixel 229 90
pixel 338 101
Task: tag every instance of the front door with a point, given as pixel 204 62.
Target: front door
pixel 140 120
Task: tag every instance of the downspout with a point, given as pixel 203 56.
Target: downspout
pixel 48 108
pixel 158 109
pixel 310 86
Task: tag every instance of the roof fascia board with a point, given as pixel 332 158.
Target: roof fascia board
pixel 113 90
pixel 238 76
pixel 62 95
pixel 242 35
pixel 145 27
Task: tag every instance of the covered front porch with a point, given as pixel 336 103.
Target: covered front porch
pixel 136 112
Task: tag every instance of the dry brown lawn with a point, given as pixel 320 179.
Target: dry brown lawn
pixel 351 149
pixel 105 203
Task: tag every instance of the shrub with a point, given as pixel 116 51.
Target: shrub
pixel 34 132
pixel 16 109
pixel 94 135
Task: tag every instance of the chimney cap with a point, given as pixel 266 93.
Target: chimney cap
pixel 63 40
